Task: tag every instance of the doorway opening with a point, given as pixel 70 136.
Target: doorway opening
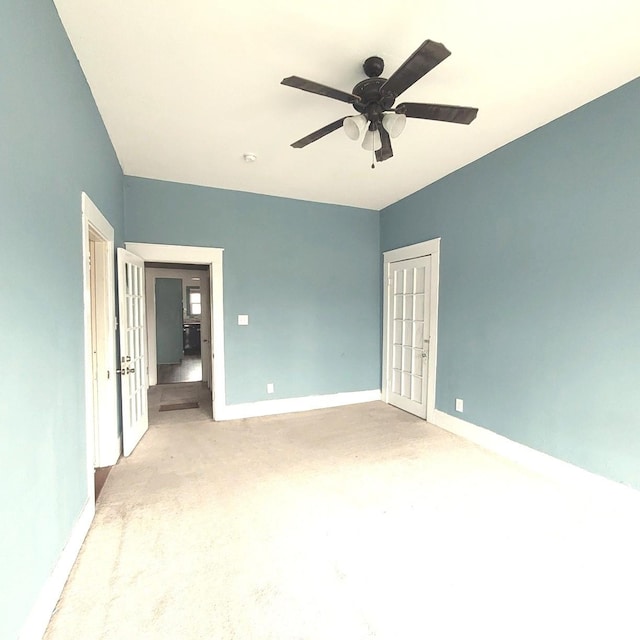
pixel 179 340
pixel 103 440
pixel 212 352
pixel 98 306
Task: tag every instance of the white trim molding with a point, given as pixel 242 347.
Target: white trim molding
pixel 292 405
pixel 40 615
pixel 211 257
pixel 418 250
pixel 103 439
pixel 535 460
pixel 428 248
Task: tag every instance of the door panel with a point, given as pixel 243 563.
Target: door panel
pixel 133 361
pixel 408 345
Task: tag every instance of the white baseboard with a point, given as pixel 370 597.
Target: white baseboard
pixel 534 460
pixel 291 405
pixel 41 613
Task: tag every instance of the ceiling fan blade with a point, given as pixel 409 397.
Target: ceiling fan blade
pixel 316 135
pixel 321 89
pixel 443 112
pixel 386 151
pixel 427 56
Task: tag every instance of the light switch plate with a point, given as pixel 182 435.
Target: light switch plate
pixel 270 387
pixel 459 405
pixel 243 320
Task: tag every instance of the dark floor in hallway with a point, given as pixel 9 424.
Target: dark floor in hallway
pixel 189 370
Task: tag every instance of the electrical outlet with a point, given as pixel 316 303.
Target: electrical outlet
pixel 270 387
pixel 459 405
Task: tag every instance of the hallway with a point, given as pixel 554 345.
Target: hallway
pixel 189 370
pixel 167 395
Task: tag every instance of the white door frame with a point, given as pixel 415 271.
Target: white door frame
pixel 103 440
pixel 428 248
pixel 205 328
pixel 212 258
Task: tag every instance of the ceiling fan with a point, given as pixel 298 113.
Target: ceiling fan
pixel 375 96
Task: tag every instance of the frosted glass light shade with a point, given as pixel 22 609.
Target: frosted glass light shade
pixel 372 141
pixel 354 125
pixel 394 123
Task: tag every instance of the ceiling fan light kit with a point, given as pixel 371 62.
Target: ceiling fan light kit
pixel 354 126
pixel 394 123
pixel 374 98
pixel 372 140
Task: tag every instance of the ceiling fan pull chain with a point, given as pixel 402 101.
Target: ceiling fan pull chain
pixel 373 158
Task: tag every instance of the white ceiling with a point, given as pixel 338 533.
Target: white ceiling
pixel 186 88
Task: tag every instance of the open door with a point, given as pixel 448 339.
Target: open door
pixel 133 361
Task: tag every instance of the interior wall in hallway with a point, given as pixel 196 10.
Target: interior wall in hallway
pixel 169 320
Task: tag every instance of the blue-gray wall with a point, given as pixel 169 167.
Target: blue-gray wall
pixel 53 146
pixel 307 274
pixel 539 305
pixel 539 326
pixel 169 320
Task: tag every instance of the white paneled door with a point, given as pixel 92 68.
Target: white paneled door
pixel 133 361
pixel 408 334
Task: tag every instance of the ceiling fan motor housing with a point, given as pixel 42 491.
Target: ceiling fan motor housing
pixel 373 66
pixel 372 101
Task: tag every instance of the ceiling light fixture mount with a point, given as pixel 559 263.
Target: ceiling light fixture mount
pixel 250 157
pixel 374 97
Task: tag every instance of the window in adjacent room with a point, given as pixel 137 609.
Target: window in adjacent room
pixel 194 302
